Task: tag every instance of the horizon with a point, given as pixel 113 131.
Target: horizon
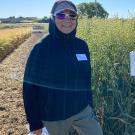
pixel 42 8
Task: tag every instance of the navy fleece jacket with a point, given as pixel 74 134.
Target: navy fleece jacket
pixel 57 78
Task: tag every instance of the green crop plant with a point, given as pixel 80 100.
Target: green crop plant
pixel 110 42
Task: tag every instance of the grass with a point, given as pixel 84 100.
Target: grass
pixel 110 42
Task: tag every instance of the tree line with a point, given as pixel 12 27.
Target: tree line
pixel 89 10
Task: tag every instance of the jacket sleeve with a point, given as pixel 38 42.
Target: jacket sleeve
pixel 30 98
pixel 31 105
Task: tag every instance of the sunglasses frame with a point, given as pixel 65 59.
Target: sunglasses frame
pixel 65 16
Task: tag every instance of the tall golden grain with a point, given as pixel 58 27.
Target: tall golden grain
pixel 11 38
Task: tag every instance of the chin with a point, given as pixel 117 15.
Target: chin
pixel 67 32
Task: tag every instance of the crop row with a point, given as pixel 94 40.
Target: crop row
pixel 110 42
pixel 11 38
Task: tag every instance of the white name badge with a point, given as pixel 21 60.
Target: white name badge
pixel 81 57
pixel 132 63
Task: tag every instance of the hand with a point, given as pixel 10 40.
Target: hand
pixel 37 132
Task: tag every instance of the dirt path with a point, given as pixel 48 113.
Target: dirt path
pixel 12 116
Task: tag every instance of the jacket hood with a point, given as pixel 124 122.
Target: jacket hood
pixel 53 30
pixel 57 34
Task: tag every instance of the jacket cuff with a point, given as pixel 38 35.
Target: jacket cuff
pixel 35 126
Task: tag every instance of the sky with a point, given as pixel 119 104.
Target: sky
pixel 41 8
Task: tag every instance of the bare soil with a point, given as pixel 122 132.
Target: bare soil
pixel 12 115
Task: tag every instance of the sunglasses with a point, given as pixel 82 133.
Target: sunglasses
pixel 63 16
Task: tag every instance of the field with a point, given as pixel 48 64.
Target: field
pixel 12 37
pixel 110 41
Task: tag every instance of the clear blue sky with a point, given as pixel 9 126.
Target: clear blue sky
pixel 41 8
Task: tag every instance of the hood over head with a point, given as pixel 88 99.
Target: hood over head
pixel 59 6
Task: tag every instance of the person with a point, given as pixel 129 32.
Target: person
pixel 57 79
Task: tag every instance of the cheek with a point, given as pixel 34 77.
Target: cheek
pixel 74 24
pixel 58 22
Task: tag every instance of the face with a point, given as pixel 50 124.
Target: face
pixel 66 25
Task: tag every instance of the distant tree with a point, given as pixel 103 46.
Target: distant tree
pixel 92 9
pixel 20 17
pixel 44 20
pixel 12 17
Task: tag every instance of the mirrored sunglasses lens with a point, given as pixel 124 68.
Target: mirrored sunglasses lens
pixel 61 16
pixel 72 15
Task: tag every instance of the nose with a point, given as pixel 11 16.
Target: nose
pixel 67 18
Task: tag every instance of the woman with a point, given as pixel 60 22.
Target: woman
pixel 57 80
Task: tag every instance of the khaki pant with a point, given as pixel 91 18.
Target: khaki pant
pixel 84 123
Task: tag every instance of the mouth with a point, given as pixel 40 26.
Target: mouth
pixel 67 26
